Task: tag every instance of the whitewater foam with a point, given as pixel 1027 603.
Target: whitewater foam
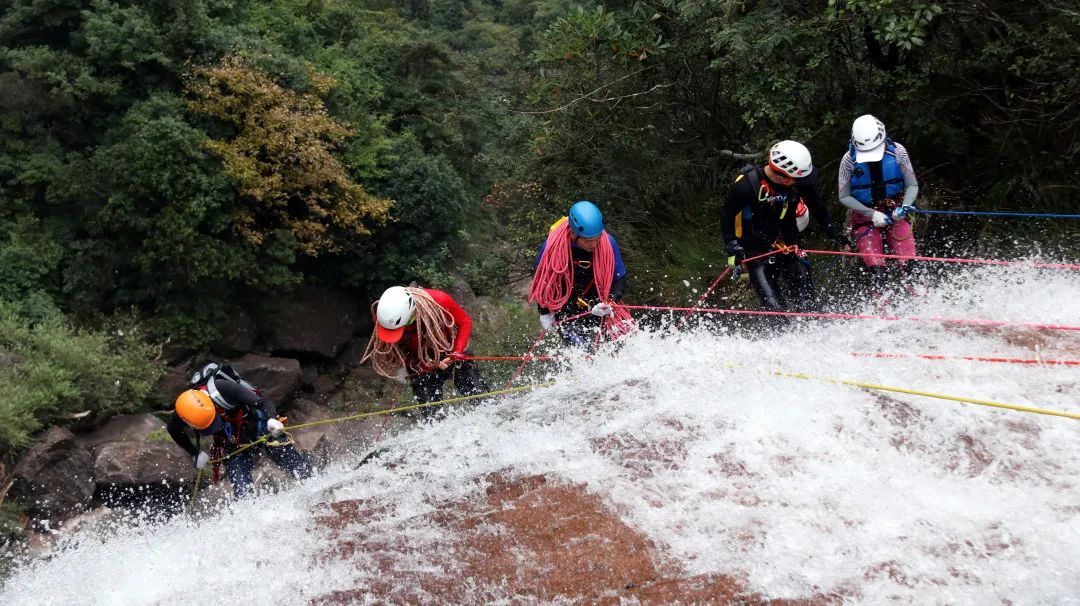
pixel 797 487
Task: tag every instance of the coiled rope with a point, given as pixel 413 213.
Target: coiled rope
pixel 435 331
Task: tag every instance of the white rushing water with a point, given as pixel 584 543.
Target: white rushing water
pixel 965 504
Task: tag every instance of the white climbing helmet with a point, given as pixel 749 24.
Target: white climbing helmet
pixel 393 312
pixel 868 139
pixel 791 158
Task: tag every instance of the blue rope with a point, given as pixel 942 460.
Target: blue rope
pixel 996 213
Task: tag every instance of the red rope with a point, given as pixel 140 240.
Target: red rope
pixel 782 250
pixel 539 338
pixel 727 271
pixel 836 316
pixel 705 294
pixel 942 259
pixel 970 358
pixel 507 358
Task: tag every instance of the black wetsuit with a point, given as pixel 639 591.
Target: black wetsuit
pixel 767 212
pixel 252 411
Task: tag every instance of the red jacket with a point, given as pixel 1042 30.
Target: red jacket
pixel 462 324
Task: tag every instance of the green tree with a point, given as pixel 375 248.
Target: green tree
pixel 280 153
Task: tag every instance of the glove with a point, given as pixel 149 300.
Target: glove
pixel 202 460
pixel 547 321
pixel 275 427
pixel 881 219
pixel 401 375
pixel 735 252
pixel 901 212
pixel 602 309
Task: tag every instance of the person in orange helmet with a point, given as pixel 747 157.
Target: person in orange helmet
pixel 223 406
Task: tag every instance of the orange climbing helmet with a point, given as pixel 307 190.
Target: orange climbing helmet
pixel 196 408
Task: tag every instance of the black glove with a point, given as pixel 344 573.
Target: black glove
pixel 735 252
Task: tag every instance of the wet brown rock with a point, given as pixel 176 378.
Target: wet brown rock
pixel 278 378
pixel 524 539
pixel 55 476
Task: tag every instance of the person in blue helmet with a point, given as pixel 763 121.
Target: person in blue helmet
pixel 579 270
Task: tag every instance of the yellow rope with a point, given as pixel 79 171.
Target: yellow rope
pixel 362 415
pixel 195 489
pixel 930 394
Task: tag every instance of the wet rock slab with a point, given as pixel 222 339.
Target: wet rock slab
pixel 525 540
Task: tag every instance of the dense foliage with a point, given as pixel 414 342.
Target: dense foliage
pixel 657 98
pixel 49 370
pixel 185 157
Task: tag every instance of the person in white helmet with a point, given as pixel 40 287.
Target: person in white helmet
pixel 877 182
pixel 421 337
pixel 760 215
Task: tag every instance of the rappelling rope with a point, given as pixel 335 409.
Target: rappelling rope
pixel 1001 360
pixel 930 394
pixel 839 316
pixel 994 213
pixel 841 253
pixel 266 440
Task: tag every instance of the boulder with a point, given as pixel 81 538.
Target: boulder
pixel 324 388
pixel 238 335
pixel 141 463
pixel 311 321
pixel 350 354
pixel 309 373
pixel 135 461
pixel 173 381
pixel 277 378
pixel 123 428
pixel 54 479
pixel 461 291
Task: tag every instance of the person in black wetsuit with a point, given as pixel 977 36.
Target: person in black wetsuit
pixel 760 216
pixel 222 406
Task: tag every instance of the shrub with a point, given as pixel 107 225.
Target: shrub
pixel 49 370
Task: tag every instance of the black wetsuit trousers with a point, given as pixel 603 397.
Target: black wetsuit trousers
pixel 428 387
pixel 782 283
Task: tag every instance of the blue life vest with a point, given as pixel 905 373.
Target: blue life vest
pixel 868 187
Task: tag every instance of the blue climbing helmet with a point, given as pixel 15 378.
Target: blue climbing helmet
pixel 585 218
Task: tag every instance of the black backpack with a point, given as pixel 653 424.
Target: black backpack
pixel 213 372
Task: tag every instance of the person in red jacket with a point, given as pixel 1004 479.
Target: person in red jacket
pixel 422 334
